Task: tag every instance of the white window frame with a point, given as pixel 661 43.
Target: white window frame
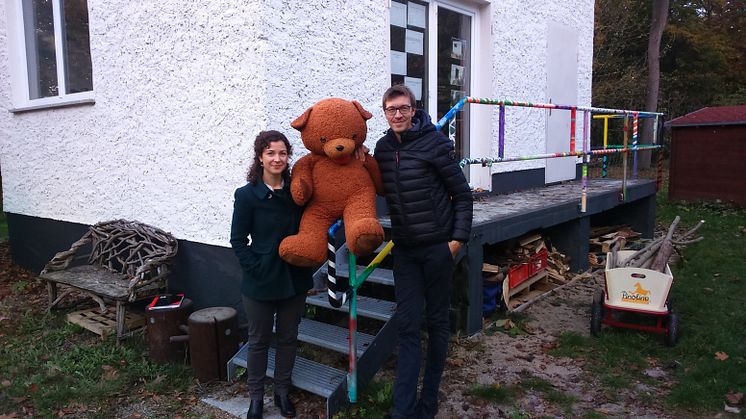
pixel 19 80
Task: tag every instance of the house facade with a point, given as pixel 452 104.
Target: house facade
pixel 148 110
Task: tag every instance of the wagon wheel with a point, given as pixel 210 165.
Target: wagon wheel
pixel 672 323
pixel 597 313
pixel 670 304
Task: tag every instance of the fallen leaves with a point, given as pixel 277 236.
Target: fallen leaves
pixel 734 399
pixel 731 409
pixel 159 379
pixel 110 373
pixel 721 356
pixel 456 362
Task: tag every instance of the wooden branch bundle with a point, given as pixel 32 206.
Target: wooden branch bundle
pixel 656 254
pixel 139 251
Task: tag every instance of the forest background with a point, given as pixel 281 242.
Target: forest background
pixel 702 54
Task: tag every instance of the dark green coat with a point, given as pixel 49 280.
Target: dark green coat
pixel 268 217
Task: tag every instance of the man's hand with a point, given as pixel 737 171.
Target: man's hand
pixel 454 246
pixel 361 152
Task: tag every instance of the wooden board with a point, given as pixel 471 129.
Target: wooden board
pixel 104 324
pixel 528 290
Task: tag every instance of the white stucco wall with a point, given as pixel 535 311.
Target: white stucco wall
pixel 331 48
pixel 519 53
pixel 182 88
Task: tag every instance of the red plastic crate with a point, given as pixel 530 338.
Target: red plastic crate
pixel 518 274
pixel 538 262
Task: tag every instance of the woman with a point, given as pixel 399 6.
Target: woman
pixel 265 211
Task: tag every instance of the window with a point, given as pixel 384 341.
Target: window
pixel 50 45
pixel 438 74
pixel 409 48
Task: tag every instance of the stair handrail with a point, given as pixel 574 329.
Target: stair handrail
pixel 338 299
pixel 355 282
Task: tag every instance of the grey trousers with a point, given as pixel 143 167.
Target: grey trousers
pixel 261 316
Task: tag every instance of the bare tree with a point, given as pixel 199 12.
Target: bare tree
pixel 657 25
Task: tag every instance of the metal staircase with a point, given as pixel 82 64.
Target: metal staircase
pixel 323 380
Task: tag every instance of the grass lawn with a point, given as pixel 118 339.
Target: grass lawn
pixel 708 292
pixel 51 368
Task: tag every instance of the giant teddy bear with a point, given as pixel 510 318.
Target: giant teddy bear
pixel 333 184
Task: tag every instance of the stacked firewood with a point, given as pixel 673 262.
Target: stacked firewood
pixel 558 267
pixel 655 255
pixel 504 259
pixel 602 238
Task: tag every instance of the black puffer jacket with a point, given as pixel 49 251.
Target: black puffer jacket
pixel 427 194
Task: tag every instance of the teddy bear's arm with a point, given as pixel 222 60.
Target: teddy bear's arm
pixel 371 165
pixel 301 184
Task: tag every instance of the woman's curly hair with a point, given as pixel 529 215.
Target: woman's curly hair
pixel 262 143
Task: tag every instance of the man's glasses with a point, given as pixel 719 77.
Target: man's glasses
pixel 405 110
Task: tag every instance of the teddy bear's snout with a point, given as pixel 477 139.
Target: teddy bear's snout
pixel 339 148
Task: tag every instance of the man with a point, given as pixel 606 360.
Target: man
pixel 431 210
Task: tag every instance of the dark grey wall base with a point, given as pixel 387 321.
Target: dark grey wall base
pixel 209 275
pixel 34 241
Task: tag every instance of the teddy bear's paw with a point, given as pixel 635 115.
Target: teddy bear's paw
pixel 301 192
pixel 366 244
pixel 298 251
pixel 303 262
pixel 364 236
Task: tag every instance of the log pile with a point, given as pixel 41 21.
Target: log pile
pixel 603 238
pixel 558 267
pixel 655 255
pixel 524 248
pixel 504 259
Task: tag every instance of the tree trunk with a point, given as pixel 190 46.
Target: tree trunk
pixel 657 25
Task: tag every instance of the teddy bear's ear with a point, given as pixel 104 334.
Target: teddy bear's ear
pixel 366 115
pixel 302 120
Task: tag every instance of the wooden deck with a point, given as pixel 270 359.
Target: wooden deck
pixel 554 211
pixel 501 217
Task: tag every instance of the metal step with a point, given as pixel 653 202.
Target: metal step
pixel 379 276
pixel 331 337
pixel 307 375
pixel 366 306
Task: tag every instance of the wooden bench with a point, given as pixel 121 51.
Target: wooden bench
pixel 126 261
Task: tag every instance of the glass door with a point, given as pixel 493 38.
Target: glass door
pixel 454 35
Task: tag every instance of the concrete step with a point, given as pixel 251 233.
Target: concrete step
pixel 372 308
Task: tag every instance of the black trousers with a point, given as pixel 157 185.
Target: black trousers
pixel 422 278
pixel 261 315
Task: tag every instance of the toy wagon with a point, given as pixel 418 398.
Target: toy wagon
pixel 635 290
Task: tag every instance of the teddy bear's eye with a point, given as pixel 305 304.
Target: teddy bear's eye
pixel 354 137
pixel 323 140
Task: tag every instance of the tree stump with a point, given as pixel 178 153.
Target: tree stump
pixel 162 324
pixel 213 340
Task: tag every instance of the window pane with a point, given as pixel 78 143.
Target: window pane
pixel 40 53
pixel 409 47
pixel 77 46
pixel 454 71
